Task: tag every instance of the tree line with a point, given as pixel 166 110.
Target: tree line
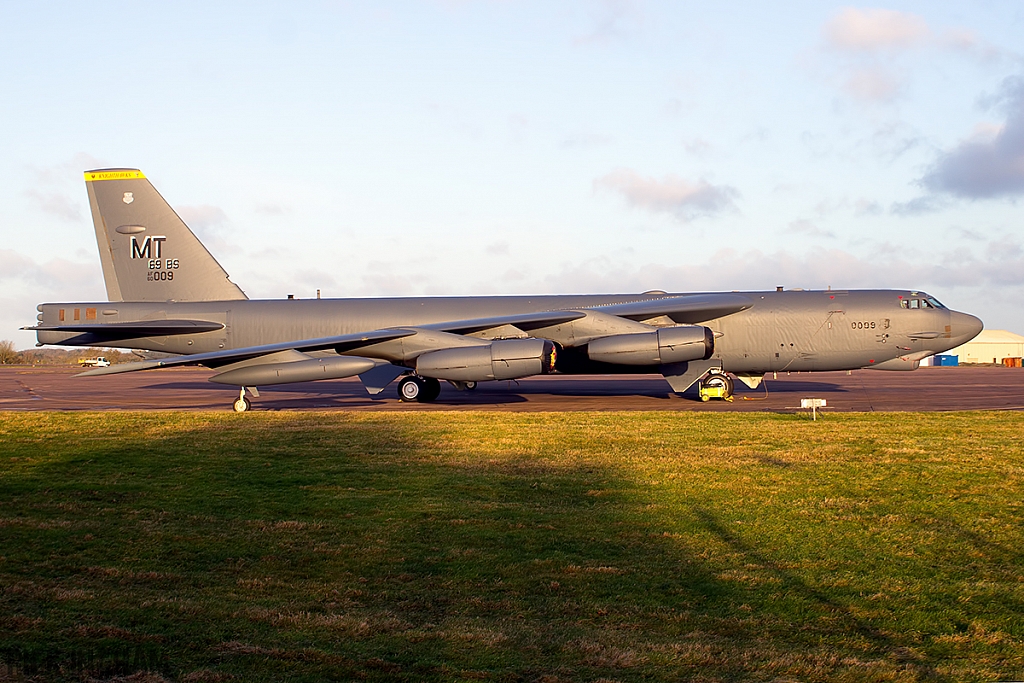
pixel 9 355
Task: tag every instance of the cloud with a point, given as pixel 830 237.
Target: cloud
pixel 860 207
pixel 990 163
pixel 683 199
pixel 272 209
pixel 70 170
pixel 272 273
pixel 56 204
pixel 759 134
pixel 55 275
pixel 866 207
pixel 1004 248
pixel 893 139
pixel 585 140
pixel 872 29
pixel 613 21
pixel 203 216
pixel 387 278
pixel 916 206
pixel 805 227
pixel 497 249
pixel 698 147
pixel 731 269
pixel 873 84
pixel 967 42
pixel 14 265
pixel 967 234
pixel 56 189
pixel 870 40
pixel 26 282
pixel 211 225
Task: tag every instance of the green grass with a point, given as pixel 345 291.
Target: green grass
pixel 523 547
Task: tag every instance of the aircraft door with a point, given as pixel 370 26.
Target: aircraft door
pixel 803 335
pixel 227 329
pixel 746 341
pixel 833 339
pixel 212 341
pixel 784 346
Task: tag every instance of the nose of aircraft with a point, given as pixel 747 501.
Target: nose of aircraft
pixel 963 327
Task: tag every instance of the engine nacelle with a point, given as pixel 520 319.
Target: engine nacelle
pixel 665 345
pixel 502 359
pixel 297 371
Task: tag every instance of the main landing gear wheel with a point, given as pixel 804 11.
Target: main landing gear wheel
pixel 722 381
pixel 409 389
pixel 431 390
pixel 419 389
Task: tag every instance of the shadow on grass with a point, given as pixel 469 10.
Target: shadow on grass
pixel 841 617
pixel 312 547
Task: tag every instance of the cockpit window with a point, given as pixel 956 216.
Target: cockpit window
pixel 930 302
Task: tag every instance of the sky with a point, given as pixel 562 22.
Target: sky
pixel 514 147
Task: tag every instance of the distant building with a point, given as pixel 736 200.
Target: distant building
pixel 991 346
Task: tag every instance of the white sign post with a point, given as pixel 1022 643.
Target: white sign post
pixel 813 404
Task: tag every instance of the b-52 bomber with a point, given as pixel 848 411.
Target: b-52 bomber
pixel 166 293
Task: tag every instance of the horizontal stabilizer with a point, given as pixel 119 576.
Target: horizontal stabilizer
pixel 135 329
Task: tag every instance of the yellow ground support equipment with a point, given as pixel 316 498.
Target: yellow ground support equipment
pixel 709 392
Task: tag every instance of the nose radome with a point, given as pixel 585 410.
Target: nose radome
pixel 964 327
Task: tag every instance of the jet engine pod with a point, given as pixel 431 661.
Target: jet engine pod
pixel 502 359
pixel 666 345
pixel 296 371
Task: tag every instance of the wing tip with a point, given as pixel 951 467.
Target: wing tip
pixel 123 367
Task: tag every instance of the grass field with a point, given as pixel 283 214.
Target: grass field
pixel 523 547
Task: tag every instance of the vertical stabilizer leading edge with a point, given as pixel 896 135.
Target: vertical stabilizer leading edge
pixel 147 251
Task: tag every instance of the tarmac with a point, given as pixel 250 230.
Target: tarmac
pixel 54 388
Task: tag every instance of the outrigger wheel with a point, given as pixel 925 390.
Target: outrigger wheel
pixel 720 379
pixel 419 389
pixel 242 403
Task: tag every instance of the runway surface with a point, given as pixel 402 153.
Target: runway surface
pixel 927 389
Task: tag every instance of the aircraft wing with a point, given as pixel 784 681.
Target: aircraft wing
pixel 525 322
pixel 688 308
pixel 340 344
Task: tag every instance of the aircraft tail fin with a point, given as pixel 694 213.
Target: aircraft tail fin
pixel 147 251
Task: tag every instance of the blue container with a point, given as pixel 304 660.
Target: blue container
pixel 947 361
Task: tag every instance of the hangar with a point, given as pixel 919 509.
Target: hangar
pixel 990 346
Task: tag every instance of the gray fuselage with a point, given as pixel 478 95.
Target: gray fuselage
pixel 780 331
